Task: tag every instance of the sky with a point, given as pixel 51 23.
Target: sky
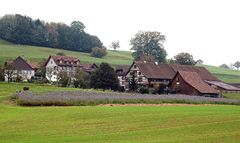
pixel 207 29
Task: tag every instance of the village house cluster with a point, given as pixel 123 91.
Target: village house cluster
pixel 184 79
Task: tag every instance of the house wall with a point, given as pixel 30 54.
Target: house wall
pixel 183 87
pixel 24 74
pixel 51 70
pixel 139 77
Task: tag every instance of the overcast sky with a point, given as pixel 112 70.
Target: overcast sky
pixel 207 29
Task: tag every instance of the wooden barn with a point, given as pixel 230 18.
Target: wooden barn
pixel 190 83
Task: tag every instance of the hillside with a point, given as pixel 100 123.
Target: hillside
pixel 10 51
pixel 227 75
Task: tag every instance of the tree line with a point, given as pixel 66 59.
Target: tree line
pixel 24 30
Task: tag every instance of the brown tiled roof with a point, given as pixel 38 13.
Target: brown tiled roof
pixel 167 71
pixel 66 61
pixel 20 64
pixel 202 72
pixel 155 71
pixel 223 85
pixel 89 67
pixel 194 80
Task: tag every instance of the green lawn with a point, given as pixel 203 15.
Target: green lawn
pixel 166 124
pixel 10 51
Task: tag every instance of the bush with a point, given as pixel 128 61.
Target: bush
pixel 98 52
pixel 61 54
pixel 144 90
pixel 63 79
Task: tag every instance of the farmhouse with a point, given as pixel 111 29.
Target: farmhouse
pixel 19 69
pixel 148 73
pixel 56 64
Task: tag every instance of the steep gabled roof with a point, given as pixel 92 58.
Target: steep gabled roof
pixel 20 64
pixel 194 80
pixel 202 72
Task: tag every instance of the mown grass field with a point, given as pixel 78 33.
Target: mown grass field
pixel 118 124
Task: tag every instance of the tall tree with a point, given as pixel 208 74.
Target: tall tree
pixel 78 26
pixel 115 45
pixel 149 43
pixel 184 59
pixel 105 78
pixel 237 65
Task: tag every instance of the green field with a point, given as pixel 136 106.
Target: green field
pixel 227 75
pixel 10 51
pixel 120 124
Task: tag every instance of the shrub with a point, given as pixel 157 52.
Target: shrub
pixel 81 79
pixel 98 52
pixel 144 90
pixel 61 54
pixel 63 79
pixel 25 88
pixel 161 89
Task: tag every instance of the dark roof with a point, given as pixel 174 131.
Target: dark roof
pixel 20 64
pixel 223 85
pixel 202 72
pixel 168 71
pixel 122 70
pixel 65 61
pixel 155 71
pixel 235 84
pixel 194 80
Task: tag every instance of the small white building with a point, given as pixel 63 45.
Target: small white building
pixel 19 69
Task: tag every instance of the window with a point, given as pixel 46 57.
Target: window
pixel 135 66
pixel 55 67
pixel 139 73
pixel 139 79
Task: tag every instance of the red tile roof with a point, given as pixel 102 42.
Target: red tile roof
pixel 65 61
pixel 194 80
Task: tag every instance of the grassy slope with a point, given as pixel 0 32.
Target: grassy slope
pixel 11 51
pixel 227 75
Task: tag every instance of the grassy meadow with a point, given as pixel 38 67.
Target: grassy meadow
pixel 118 124
pixel 10 51
pixel 227 75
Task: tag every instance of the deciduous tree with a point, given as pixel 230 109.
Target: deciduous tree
pixel 149 43
pixel 184 59
pixel 105 78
